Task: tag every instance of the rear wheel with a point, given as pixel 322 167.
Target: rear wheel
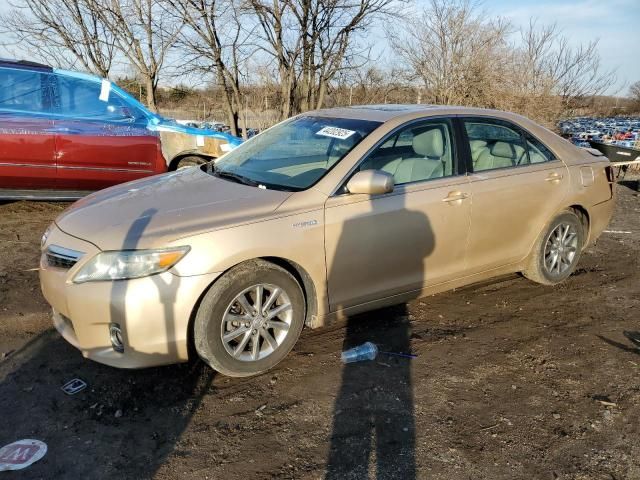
pixel 190 161
pixel 557 251
pixel 250 319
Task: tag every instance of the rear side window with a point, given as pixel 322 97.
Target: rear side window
pixel 538 153
pixel 495 144
pixel 22 90
pixel 86 99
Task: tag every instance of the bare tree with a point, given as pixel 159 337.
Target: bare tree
pixel 572 73
pixel 462 56
pixel 63 32
pixel 144 32
pixel 367 85
pixel 454 51
pixel 215 40
pixel 310 41
pixel 634 91
pixel 634 94
pixel 274 20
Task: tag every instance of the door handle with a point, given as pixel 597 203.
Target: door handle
pixel 63 130
pixel 455 197
pixel 554 177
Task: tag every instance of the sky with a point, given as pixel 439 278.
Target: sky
pixel 615 23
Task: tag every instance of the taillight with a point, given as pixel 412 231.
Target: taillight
pixel 611 178
pixel 610 175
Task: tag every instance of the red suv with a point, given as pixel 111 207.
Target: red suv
pixel 65 134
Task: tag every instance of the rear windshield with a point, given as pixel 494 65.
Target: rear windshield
pixel 294 154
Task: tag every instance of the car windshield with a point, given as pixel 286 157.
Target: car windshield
pixel 295 154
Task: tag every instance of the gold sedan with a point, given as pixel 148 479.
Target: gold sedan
pixel 325 215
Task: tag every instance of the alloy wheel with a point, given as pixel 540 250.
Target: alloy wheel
pixel 560 249
pixel 256 322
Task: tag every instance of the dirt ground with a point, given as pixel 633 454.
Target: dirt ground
pixel 512 380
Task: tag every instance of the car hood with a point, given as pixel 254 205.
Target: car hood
pixel 161 124
pixel 154 211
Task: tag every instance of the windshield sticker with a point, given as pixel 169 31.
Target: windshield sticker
pixel 105 89
pixel 199 141
pixel 335 132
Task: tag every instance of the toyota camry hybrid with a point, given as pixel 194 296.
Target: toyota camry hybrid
pixel 327 214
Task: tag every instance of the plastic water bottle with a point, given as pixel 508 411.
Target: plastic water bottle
pixel 366 351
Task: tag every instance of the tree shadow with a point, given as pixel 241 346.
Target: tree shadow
pixel 373 424
pixel 125 423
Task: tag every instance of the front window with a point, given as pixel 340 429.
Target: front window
pixel 295 154
pixel 419 152
pixel 86 99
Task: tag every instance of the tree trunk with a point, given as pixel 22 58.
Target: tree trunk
pixel 322 91
pixel 151 94
pixel 244 121
pixel 232 114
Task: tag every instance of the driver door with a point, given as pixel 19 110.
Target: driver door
pixel 378 246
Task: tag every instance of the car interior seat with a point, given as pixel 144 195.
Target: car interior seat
pixel 428 160
pixel 499 155
pixel 477 148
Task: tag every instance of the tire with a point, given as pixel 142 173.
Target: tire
pixel 190 161
pixel 565 236
pixel 224 300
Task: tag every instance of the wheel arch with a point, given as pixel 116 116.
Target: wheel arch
pixel 173 164
pixel 299 273
pixel 585 220
pixel 306 283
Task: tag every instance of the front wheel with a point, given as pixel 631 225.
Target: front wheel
pixel 250 319
pixel 557 251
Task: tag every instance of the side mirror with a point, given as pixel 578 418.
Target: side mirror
pixel 371 182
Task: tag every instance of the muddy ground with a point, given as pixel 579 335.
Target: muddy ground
pixel 512 380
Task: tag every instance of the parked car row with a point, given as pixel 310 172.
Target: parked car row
pixel 64 134
pixel 217 127
pixel 623 131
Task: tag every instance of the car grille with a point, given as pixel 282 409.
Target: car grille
pixel 59 257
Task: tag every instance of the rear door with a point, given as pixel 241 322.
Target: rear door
pixel 26 138
pixel 100 139
pixel 516 184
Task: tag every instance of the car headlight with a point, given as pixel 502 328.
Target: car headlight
pixel 125 264
pixel 45 235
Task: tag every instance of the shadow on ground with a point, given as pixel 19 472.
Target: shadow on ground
pixel 139 413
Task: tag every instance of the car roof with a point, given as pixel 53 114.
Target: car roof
pixel 387 112
pixel 24 64
pixel 29 65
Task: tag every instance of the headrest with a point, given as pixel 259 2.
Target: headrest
pixel 429 143
pixel 506 150
pixel 476 145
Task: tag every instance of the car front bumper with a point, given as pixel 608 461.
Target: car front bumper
pixel 153 312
